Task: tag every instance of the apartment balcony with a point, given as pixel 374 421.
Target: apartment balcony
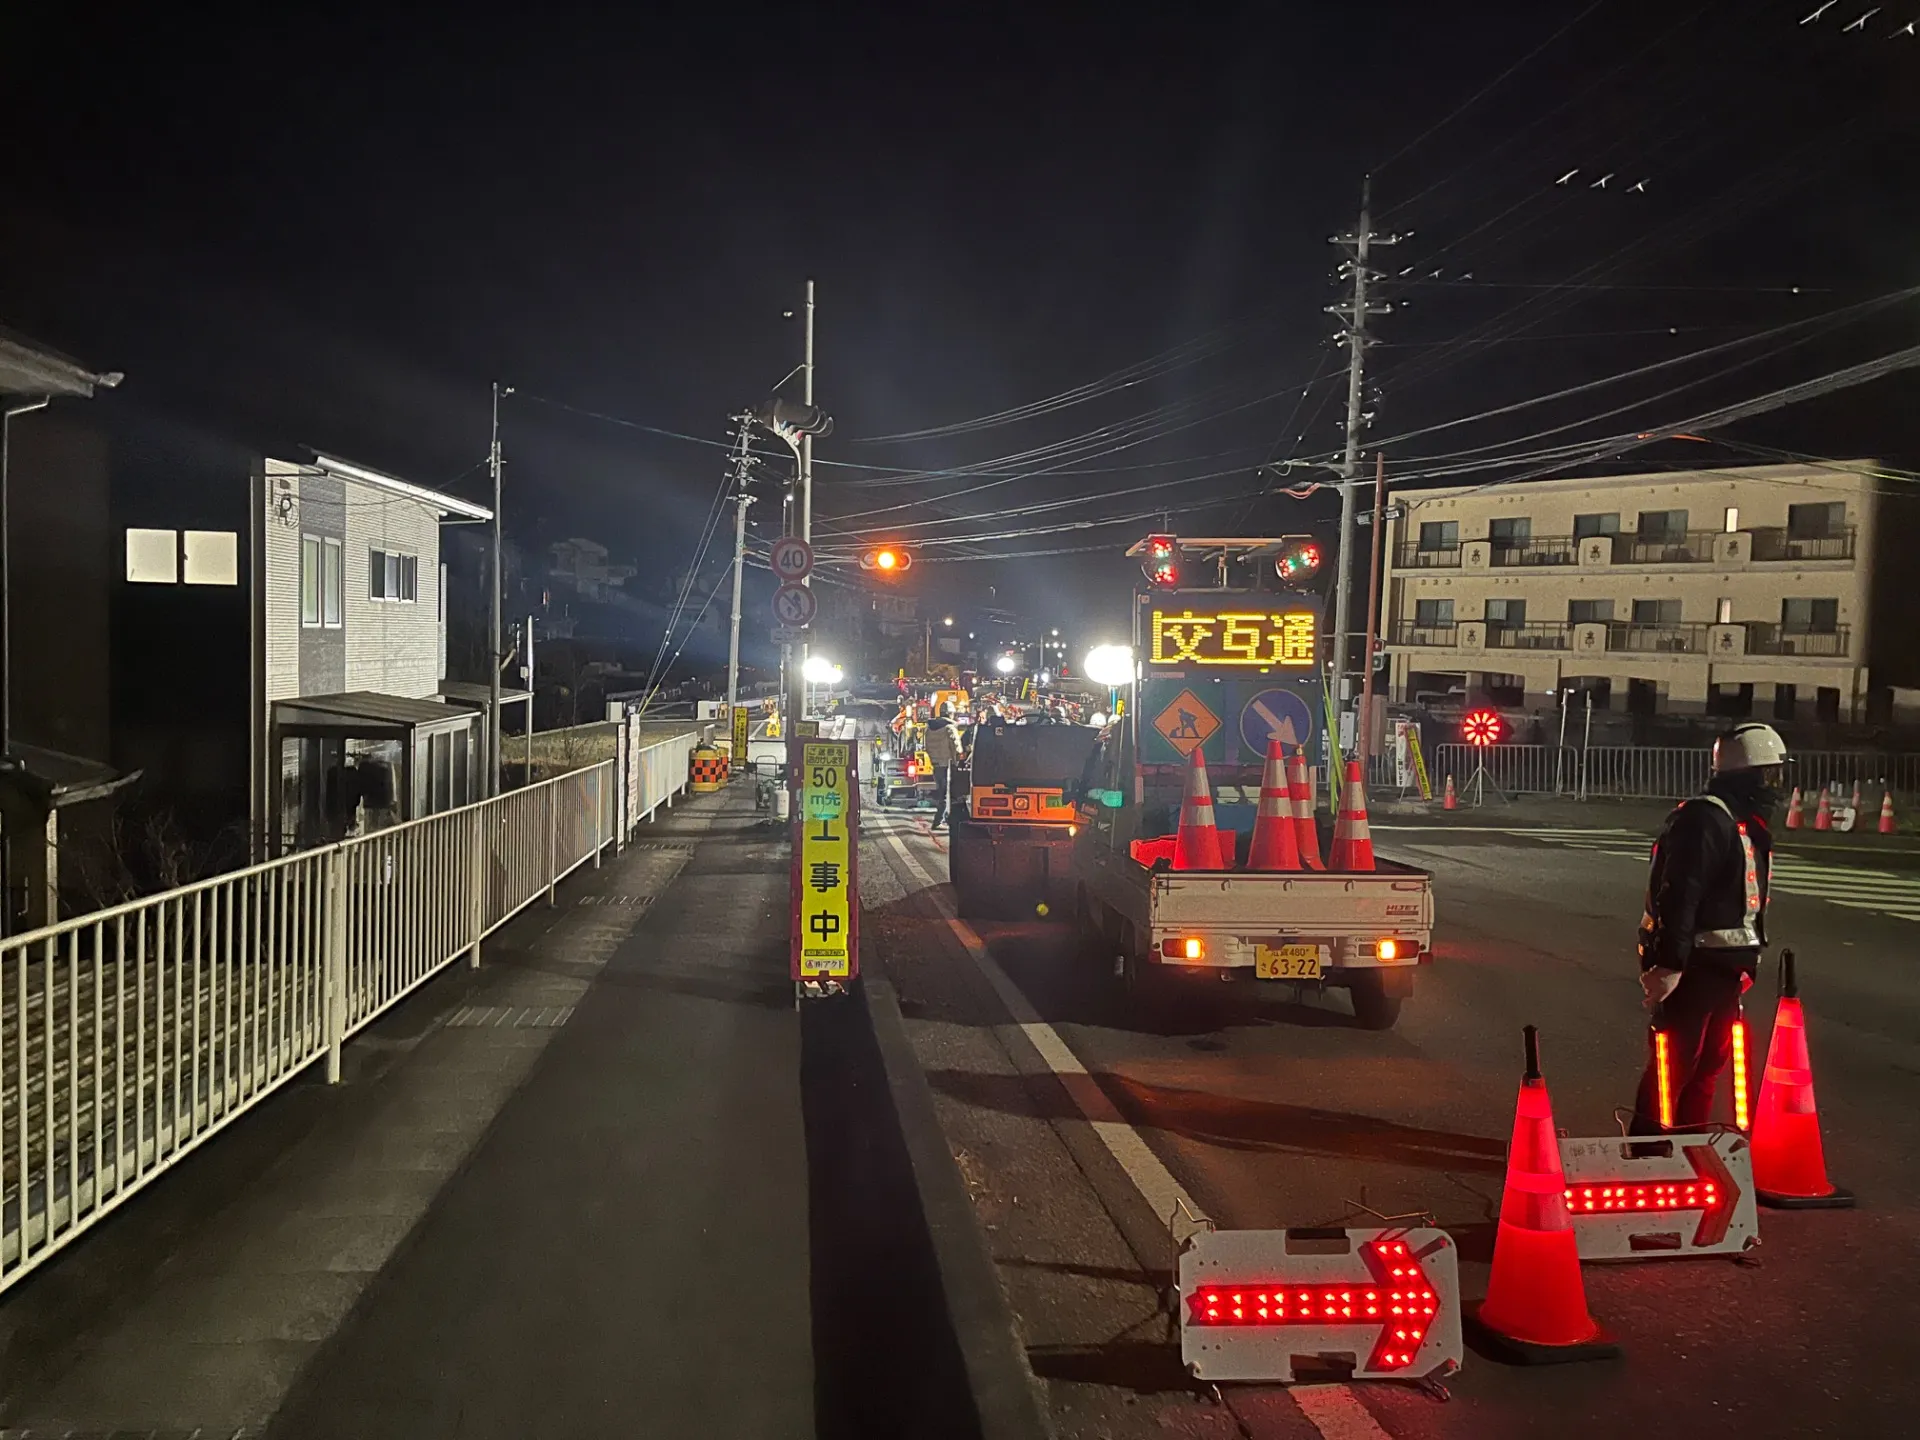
pixel 1539 550
pixel 1532 635
pixel 1412 632
pixel 1695 547
pixel 1650 639
pixel 1770 639
pixel 1413 557
pixel 1775 544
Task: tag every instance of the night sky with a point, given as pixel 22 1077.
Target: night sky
pixel 335 228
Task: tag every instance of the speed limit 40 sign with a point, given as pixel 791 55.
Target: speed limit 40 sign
pixel 792 558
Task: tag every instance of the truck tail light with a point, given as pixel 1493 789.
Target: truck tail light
pixel 1192 947
pixel 1388 949
pixel 912 770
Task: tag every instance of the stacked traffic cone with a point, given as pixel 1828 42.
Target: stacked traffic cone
pixel 1196 845
pixel 1823 817
pixel 1306 835
pixel 1276 846
pixel 1535 1312
pixel 1789 1162
pixel 1352 841
pixel 1450 803
pixel 1886 812
pixel 1793 809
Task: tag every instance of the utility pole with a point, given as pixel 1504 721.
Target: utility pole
pixel 1375 543
pixel 530 688
pixel 797 662
pixel 741 501
pixel 1354 313
pixel 495 655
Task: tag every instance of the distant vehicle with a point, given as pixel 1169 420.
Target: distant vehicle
pixel 1011 849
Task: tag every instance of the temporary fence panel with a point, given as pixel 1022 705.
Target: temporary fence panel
pixel 130 1035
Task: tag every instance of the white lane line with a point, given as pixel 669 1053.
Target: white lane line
pixel 1333 1410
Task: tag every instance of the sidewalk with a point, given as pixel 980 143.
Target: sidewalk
pixel 564 1195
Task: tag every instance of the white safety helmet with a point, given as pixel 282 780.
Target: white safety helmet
pixel 1752 746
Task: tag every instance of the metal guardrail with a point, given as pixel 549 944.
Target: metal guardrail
pixel 132 1035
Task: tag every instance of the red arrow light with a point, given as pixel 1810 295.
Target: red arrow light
pixel 1399 1301
pixel 1712 1191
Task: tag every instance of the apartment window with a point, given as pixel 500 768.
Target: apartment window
pixel 309 579
pixel 1506 613
pixel 1785 698
pixel 1510 532
pixel 320 581
pixel 1586 525
pixel 392 576
pixel 1433 612
pixel 1656 612
pixel 1439 535
pixel 332 577
pixel 1667 525
pixel 210 557
pixel 153 557
pixel 1816 522
pixel 1582 612
pixel 1810 617
pixel 1723 614
pixel 1733 519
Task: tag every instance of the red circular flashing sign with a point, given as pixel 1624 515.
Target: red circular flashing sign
pixel 1482 727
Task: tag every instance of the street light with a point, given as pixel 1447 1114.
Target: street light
pixel 1004 664
pixel 948 621
pixel 1109 665
pixel 821 671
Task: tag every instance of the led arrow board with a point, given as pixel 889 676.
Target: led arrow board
pixel 1386 1300
pixel 1666 1198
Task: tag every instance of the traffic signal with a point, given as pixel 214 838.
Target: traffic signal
pixel 789 419
pixel 1481 728
pixel 1298 562
pixel 1160 562
pixel 887 561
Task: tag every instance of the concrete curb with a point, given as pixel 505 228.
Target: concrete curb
pixel 1005 1392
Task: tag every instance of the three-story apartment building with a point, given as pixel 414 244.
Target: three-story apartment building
pixel 1771 591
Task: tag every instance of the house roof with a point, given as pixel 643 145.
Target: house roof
pixel 30 368
pixel 366 712
pixel 53 778
pixel 441 501
pixel 472 692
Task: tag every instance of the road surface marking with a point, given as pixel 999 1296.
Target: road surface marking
pixel 1333 1410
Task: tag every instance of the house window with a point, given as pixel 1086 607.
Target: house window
pixel 1509 533
pixel 153 557
pixel 1439 535
pixel 1724 614
pixel 1506 613
pixel 1656 612
pixel 392 576
pixel 1433 612
pixel 309 579
pixel 1816 522
pixel 1810 617
pixel 332 576
pixel 1582 612
pixel 210 557
pixel 1733 519
pixel 1665 525
pixel 1586 525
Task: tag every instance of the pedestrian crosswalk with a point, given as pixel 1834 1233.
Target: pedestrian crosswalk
pixel 1886 892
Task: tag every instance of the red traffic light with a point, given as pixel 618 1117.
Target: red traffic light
pixel 887 560
pixel 1298 563
pixel 1160 562
pixel 1482 727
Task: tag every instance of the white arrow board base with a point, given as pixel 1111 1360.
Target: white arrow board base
pixel 1667 1197
pixel 1384 1303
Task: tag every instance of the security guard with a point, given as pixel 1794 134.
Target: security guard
pixel 1705 922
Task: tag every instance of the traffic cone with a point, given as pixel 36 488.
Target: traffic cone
pixel 1823 817
pixel 1305 833
pixel 1196 845
pixel 1450 803
pixel 1854 805
pixel 1352 841
pixel 1789 1162
pixel 1793 809
pixel 1275 844
pixel 1535 1312
pixel 1886 812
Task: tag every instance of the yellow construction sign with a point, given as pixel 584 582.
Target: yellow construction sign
pixel 826 908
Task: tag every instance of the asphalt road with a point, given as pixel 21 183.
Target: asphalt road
pixel 1288 1115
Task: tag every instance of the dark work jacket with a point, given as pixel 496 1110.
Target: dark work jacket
pixel 1697 882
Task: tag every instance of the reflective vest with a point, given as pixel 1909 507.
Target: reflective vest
pixel 1745 936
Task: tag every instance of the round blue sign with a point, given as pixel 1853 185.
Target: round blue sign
pixel 1283 715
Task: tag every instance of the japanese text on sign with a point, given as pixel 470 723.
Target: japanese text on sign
pixel 823 890
pixel 1253 638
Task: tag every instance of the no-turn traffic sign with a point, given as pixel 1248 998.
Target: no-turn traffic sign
pixel 794 605
pixel 792 558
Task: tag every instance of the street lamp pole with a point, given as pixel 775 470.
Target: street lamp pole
pixel 495 652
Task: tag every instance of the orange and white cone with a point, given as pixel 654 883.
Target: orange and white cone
pixel 1276 846
pixel 1352 841
pixel 1450 803
pixel 1536 1307
pixel 1793 809
pixel 1789 1161
pixel 1886 812
pixel 1305 834
pixel 1196 846
pixel 1854 805
pixel 1823 817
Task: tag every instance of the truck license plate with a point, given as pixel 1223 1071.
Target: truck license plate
pixel 1287 962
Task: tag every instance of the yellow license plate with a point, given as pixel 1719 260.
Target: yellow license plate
pixel 1286 962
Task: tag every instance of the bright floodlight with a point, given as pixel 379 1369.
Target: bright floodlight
pixel 1046 677
pixel 1097 719
pixel 820 671
pixel 1109 665
pixel 1004 664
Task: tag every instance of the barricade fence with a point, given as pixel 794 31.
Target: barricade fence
pixel 131 1035
pixel 1644 772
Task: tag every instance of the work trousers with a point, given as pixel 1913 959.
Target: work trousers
pixel 1698 1020
pixel 943 791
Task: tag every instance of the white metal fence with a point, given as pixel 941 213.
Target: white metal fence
pixel 1653 772
pixel 129 1036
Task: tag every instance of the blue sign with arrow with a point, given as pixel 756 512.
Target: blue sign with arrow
pixel 1277 714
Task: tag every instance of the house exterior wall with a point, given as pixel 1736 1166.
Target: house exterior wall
pixel 1734 556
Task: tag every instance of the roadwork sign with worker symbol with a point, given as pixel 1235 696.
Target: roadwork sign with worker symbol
pixel 1186 722
pixel 826 819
